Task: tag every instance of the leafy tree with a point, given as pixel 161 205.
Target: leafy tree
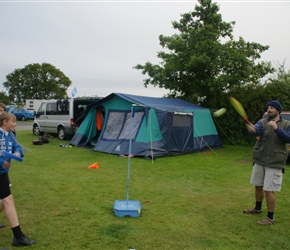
pixel 36 81
pixel 203 60
pixel 4 98
pixel 277 85
pixel 280 76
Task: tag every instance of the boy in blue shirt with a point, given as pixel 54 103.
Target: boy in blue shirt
pixel 9 144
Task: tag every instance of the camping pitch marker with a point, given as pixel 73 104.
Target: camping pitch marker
pixel 130 208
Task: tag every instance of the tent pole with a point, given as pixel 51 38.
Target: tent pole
pixel 150 122
pixel 129 155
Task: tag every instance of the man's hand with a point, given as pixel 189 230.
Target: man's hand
pixel 273 124
pixel 251 127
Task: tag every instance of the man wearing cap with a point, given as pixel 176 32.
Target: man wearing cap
pixel 269 156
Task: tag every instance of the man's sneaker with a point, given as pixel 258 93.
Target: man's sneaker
pixel 252 211
pixel 266 221
pixel 23 241
pixel 2 225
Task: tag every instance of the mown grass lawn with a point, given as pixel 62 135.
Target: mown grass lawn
pixel 188 202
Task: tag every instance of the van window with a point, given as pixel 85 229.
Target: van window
pixel 41 109
pixel 62 107
pixel 82 108
pixel 286 116
pixel 51 108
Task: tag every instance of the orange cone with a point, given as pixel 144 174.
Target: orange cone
pixel 95 165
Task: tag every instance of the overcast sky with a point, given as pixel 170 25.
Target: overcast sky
pixel 97 43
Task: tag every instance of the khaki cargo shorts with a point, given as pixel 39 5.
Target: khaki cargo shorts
pixel 269 178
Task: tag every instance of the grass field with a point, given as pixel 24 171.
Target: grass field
pixel 188 202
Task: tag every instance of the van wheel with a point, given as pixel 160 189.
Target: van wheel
pixel 61 133
pixel 36 130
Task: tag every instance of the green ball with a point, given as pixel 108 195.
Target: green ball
pixel 219 112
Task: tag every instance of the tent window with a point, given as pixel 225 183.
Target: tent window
pixel 181 120
pixel 114 125
pixel 127 126
pixel 118 125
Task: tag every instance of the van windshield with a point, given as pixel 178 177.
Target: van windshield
pixel 286 116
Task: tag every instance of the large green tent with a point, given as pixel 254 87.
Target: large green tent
pixel 160 126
